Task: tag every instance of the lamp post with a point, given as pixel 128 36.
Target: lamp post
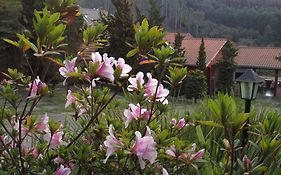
pixel 249 84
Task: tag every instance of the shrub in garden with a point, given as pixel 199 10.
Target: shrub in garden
pixel 130 133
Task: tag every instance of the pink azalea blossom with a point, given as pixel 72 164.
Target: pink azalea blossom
pixel 136 83
pixel 174 121
pixel 55 140
pixel 123 66
pixel 58 160
pixel 70 99
pixel 179 124
pixel 150 86
pixel 133 113
pixel 151 90
pixel 172 151
pixel 247 162
pixel 198 155
pixel 192 155
pixel 37 87
pixel 165 172
pixel 34 152
pixel 43 125
pixel 62 171
pixel 104 68
pixel 69 66
pixel 112 144
pixel 145 148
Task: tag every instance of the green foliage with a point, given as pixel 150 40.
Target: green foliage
pixel 176 77
pixel 226 67
pixel 93 34
pixel 179 51
pixel 120 29
pixel 154 13
pixel 201 60
pixel 196 85
pixel 146 39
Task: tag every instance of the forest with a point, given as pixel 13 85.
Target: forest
pixel 246 22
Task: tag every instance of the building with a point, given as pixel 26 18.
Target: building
pixel 260 58
pixel 191 46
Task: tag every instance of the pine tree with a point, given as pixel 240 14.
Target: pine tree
pixel 154 13
pixel 121 29
pixel 201 60
pixel 179 51
pixel 226 68
pixel 196 85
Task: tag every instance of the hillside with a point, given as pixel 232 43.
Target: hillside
pixel 247 22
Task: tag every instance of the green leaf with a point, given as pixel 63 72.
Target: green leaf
pixel 75 170
pixel 27 42
pixel 132 52
pixel 11 42
pixel 210 123
pixel 200 135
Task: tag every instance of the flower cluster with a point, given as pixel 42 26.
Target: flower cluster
pixel 188 156
pixel 153 90
pixel 100 66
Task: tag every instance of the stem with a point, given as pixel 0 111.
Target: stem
pixel 152 106
pixel 91 121
pixel 232 156
pixel 12 157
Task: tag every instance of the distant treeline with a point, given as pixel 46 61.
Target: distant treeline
pixel 248 22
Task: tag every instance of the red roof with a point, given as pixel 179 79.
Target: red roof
pixel 258 57
pixel 192 45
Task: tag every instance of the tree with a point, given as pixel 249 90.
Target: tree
pixel 179 51
pixel 120 28
pixel 201 60
pixel 9 26
pixel 154 13
pixel 196 85
pixel 226 67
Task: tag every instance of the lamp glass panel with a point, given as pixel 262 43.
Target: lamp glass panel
pixel 256 85
pixel 246 90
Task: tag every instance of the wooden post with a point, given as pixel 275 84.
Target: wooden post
pixel 276 83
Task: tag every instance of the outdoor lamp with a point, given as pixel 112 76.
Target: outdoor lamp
pixel 249 84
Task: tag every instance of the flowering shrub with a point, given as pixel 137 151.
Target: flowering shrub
pixel 140 134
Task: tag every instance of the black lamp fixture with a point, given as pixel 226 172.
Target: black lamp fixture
pixel 249 84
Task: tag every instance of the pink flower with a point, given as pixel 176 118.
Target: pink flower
pixel 150 90
pixel 192 155
pixel 125 68
pixel 136 83
pixel 174 121
pixel 171 151
pixel 55 140
pixel 43 125
pixel 112 144
pixel 178 125
pixel 37 87
pixel 165 172
pixel 70 99
pixel 150 86
pixel 104 69
pixel 247 162
pixel 62 171
pixel 34 152
pixel 133 113
pixel 145 148
pixel 69 66
pixel 58 160
pixel 198 155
